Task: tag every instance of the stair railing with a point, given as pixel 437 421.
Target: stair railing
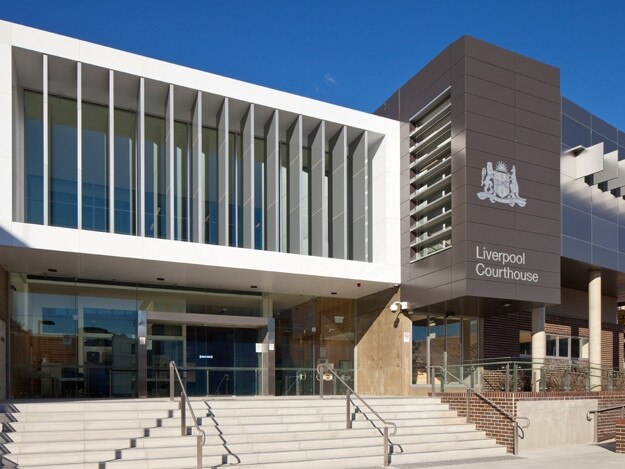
pixel 590 413
pixel 184 403
pixel 348 416
pixel 471 390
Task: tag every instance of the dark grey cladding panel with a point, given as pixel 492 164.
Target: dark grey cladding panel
pixel 505 108
pixel 537 70
pixel 408 107
pixel 538 122
pixel 530 293
pixel 537 139
pixel 478 142
pixel 489 72
pixel 486 89
pixel 411 292
pixel 537 105
pixel 487 107
pixel 431 263
pixel 489 126
pixel 538 157
pixel 491 216
pixel 457 72
pixel 490 53
pixel 538 88
pixel 536 224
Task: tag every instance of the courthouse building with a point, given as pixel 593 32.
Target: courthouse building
pixel 150 212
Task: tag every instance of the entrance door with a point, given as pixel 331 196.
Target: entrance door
pixel 222 361
pixel 215 354
pixel 445 341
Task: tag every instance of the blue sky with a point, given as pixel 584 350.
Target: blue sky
pixel 352 53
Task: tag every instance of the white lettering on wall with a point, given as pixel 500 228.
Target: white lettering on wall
pixel 506 260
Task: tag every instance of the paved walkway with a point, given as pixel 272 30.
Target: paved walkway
pixel 567 457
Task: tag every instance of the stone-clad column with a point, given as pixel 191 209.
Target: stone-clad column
pixel 594 329
pixel 539 345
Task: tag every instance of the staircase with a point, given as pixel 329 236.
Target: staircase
pixel 252 433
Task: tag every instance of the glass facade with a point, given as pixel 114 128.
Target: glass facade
pixel 155 177
pixel 125 171
pixel 211 189
pixel 320 330
pixel 440 341
pixel 165 211
pixel 73 338
pixel 260 158
pixel 95 164
pixel 33 157
pixel 63 183
pixel 181 181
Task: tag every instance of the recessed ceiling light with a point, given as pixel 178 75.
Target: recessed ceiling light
pixel 160 279
pixel 52 270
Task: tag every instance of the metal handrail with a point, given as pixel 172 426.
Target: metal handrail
pixel 348 418
pixel 501 410
pixel 606 409
pixel 184 403
pixel 599 411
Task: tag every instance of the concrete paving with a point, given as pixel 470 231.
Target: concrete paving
pixel 564 457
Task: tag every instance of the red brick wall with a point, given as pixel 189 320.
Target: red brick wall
pixel 488 419
pixel 620 436
pixel 501 335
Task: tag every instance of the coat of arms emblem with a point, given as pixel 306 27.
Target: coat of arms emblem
pixel 501 186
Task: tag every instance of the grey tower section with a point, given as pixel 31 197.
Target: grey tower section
pixel 505 107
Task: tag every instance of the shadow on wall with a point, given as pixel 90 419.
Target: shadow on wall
pixel 7 239
pixel 369 308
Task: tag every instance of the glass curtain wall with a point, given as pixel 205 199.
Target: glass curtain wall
pixel 181 181
pixel 305 202
pixel 321 330
pixel 284 198
pixel 33 157
pixel 440 341
pixel 211 185
pixel 155 177
pixel 63 185
pixel 95 193
pixel 259 192
pixel 236 189
pixel 125 171
pixel 72 340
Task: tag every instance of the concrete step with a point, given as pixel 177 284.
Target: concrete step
pixel 261 432
pixel 313 410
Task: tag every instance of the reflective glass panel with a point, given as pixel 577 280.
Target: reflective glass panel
pixel 181 181
pixel 155 177
pixel 33 157
pixel 259 192
pixel 211 188
pixel 125 172
pixel 95 172
pixel 62 162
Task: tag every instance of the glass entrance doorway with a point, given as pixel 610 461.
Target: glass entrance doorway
pixel 212 360
pixel 446 341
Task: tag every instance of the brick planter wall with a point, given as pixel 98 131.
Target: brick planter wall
pixel 620 436
pixel 499 427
